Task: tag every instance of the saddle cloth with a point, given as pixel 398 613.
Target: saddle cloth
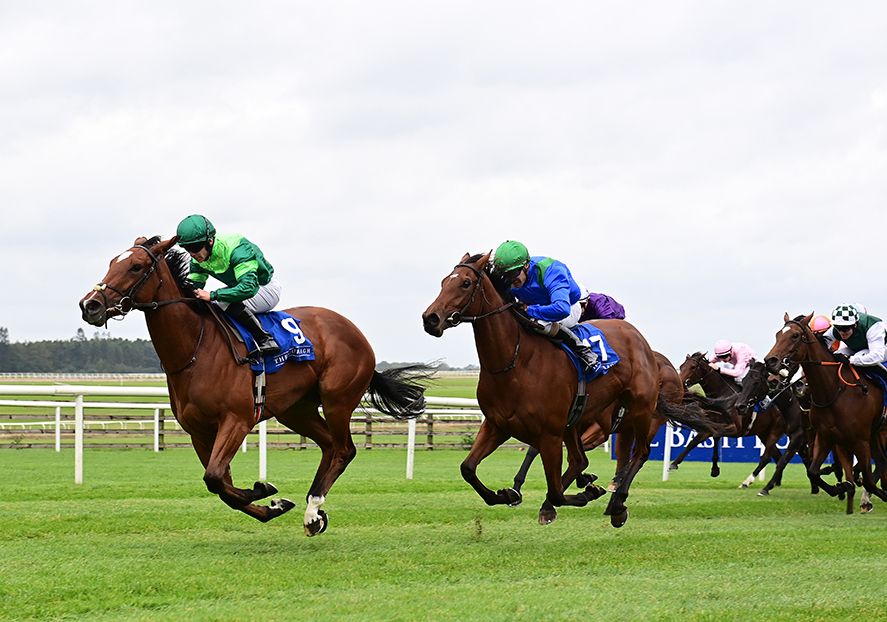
pixel 294 345
pixel 591 335
pixel 878 375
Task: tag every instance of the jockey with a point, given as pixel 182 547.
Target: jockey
pixel 819 324
pixel 550 292
pixel 732 359
pixel 858 336
pixel 241 266
pixel 600 307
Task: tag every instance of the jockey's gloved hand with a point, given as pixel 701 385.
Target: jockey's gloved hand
pixel 842 358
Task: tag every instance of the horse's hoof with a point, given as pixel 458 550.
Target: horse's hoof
pixel 617 520
pixel 715 471
pixel 282 506
pixel 672 467
pixel 865 508
pixel 594 492
pixel 318 525
pixel 266 489
pixel 512 497
pixel 584 480
pixel 546 517
pixel 763 493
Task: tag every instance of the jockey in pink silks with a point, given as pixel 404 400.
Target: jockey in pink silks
pixel 732 359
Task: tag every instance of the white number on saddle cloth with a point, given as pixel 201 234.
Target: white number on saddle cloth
pixel 292 326
pixel 600 345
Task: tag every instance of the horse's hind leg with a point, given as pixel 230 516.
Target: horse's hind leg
pixel 521 476
pixel 305 419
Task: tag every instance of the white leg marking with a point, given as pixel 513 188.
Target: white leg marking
pixel 311 514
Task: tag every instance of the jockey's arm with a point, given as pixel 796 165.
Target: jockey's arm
pixel 877 350
pixel 557 309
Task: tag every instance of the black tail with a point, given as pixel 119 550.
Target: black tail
pixel 397 392
pixel 690 414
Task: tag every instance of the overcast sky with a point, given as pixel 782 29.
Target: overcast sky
pixel 711 165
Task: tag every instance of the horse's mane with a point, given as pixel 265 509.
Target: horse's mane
pixel 179 266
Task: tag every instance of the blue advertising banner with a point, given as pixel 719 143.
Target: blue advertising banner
pixel 743 449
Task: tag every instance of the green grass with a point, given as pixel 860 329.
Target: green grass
pixel 143 540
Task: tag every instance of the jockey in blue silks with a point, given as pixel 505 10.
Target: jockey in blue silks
pixel 551 294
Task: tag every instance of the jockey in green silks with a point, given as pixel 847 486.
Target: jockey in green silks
pixel 250 286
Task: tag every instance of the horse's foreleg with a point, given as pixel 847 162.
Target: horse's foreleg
pixel 787 455
pixel 820 450
pixel 488 439
pixel 715 456
pixel 216 455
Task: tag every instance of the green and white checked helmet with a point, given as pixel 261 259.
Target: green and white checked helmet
pixel 845 315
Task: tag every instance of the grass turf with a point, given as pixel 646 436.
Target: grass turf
pixel 143 540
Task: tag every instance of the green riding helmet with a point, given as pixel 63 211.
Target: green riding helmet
pixel 195 228
pixel 510 255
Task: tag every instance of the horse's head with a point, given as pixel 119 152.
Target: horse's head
pixel 458 298
pixel 694 368
pixel 792 342
pixel 757 384
pixel 123 285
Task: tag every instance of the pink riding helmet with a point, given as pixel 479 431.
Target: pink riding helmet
pixel 820 324
pixel 723 346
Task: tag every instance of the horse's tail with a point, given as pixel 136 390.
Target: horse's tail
pixel 691 414
pixel 397 392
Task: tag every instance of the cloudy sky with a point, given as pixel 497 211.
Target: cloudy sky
pixel 711 165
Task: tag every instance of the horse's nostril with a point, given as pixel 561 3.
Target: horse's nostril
pixel 432 319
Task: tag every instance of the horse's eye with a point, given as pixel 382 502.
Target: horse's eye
pixel 795 336
pixel 466 284
pixel 136 268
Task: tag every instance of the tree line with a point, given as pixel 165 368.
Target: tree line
pixel 99 354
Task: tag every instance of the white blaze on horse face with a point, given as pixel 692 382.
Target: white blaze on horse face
pixel 454 276
pixel 124 255
pixel 786 329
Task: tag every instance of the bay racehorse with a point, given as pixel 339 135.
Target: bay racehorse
pixel 846 409
pixel 767 425
pixel 211 391
pixel 527 384
pixel 757 385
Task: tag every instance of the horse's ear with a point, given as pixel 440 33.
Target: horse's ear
pixel 164 245
pixel 465 258
pixel 139 240
pixel 786 318
pixel 808 318
pixel 482 262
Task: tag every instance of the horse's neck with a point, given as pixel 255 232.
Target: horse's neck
pixel 175 328
pixel 496 337
pixel 822 379
pixel 713 383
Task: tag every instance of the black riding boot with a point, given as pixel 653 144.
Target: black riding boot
pixel 584 352
pixel 264 341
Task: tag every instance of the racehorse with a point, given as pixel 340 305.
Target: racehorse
pixel 527 384
pixel 846 409
pixel 211 392
pixel 670 388
pixel 766 425
pixel 757 385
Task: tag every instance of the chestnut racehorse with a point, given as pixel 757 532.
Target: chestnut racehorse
pixel 527 384
pixel 846 409
pixel 211 392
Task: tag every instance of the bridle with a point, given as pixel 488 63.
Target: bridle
pixel 839 364
pixel 127 304
pixel 457 317
pixel 707 370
